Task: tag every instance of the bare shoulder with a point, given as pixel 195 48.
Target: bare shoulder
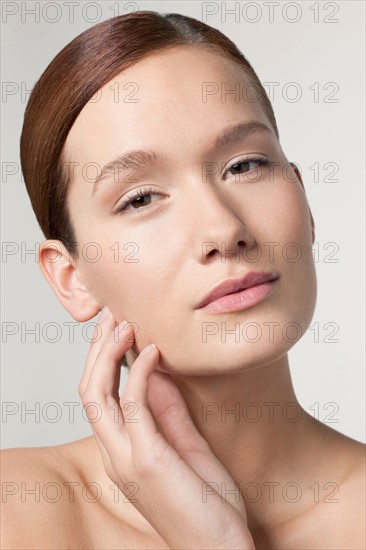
pixel 343 517
pixel 336 518
pixel 34 509
pixel 357 474
pixel 355 498
pixel 60 497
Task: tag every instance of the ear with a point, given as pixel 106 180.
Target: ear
pixel 298 175
pixel 61 272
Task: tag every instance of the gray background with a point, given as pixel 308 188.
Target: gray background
pixel 313 50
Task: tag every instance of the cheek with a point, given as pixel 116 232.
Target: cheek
pixel 294 255
pixel 297 216
pixel 278 219
pixel 286 216
pixel 130 281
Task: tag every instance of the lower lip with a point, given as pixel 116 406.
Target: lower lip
pixel 241 300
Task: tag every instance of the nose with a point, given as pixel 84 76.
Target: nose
pixel 218 230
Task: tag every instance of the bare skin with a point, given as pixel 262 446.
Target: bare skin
pixel 113 522
pixel 175 274
pixel 78 519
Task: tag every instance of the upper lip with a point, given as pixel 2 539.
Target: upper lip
pixel 234 285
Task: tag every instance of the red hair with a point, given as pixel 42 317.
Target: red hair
pixel 72 78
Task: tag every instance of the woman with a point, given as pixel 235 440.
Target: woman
pixel 169 204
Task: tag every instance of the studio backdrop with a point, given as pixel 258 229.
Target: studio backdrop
pixel 310 58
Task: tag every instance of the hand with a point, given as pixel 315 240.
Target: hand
pixel 172 473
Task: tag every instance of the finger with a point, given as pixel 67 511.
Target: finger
pixel 106 371
pixel 142 430
pixel 158 463
pixel 104 325
pixel 170 410
pixel 102 388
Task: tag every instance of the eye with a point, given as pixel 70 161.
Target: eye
pixel 243 166
pixel 139 199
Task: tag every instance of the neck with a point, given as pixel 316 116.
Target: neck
pixel 256 428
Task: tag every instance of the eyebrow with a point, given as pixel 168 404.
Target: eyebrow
pixel 139 158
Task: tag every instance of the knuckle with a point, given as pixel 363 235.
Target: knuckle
pixel 90 397
pixel 81 389
pixel 144 467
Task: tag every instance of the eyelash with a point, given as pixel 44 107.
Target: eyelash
pixel 140 193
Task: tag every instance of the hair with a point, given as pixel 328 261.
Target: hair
pixel 75 75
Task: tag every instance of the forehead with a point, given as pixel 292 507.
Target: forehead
pixel 167 100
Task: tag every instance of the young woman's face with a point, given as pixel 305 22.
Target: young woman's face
pixel 200 220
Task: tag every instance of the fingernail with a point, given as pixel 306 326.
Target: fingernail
pixel 104 313
pixel 148 349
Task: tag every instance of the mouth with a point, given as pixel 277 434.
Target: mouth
pixel 239 294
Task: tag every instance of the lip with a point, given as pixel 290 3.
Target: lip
pixel 236 294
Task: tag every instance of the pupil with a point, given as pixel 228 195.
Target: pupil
pixel 236 166
pixel 140 200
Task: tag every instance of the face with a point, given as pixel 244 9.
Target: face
pixel 204 214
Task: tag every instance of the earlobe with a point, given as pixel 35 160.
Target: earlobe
pixel 61 272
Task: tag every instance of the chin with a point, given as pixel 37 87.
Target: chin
pixel 224 358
